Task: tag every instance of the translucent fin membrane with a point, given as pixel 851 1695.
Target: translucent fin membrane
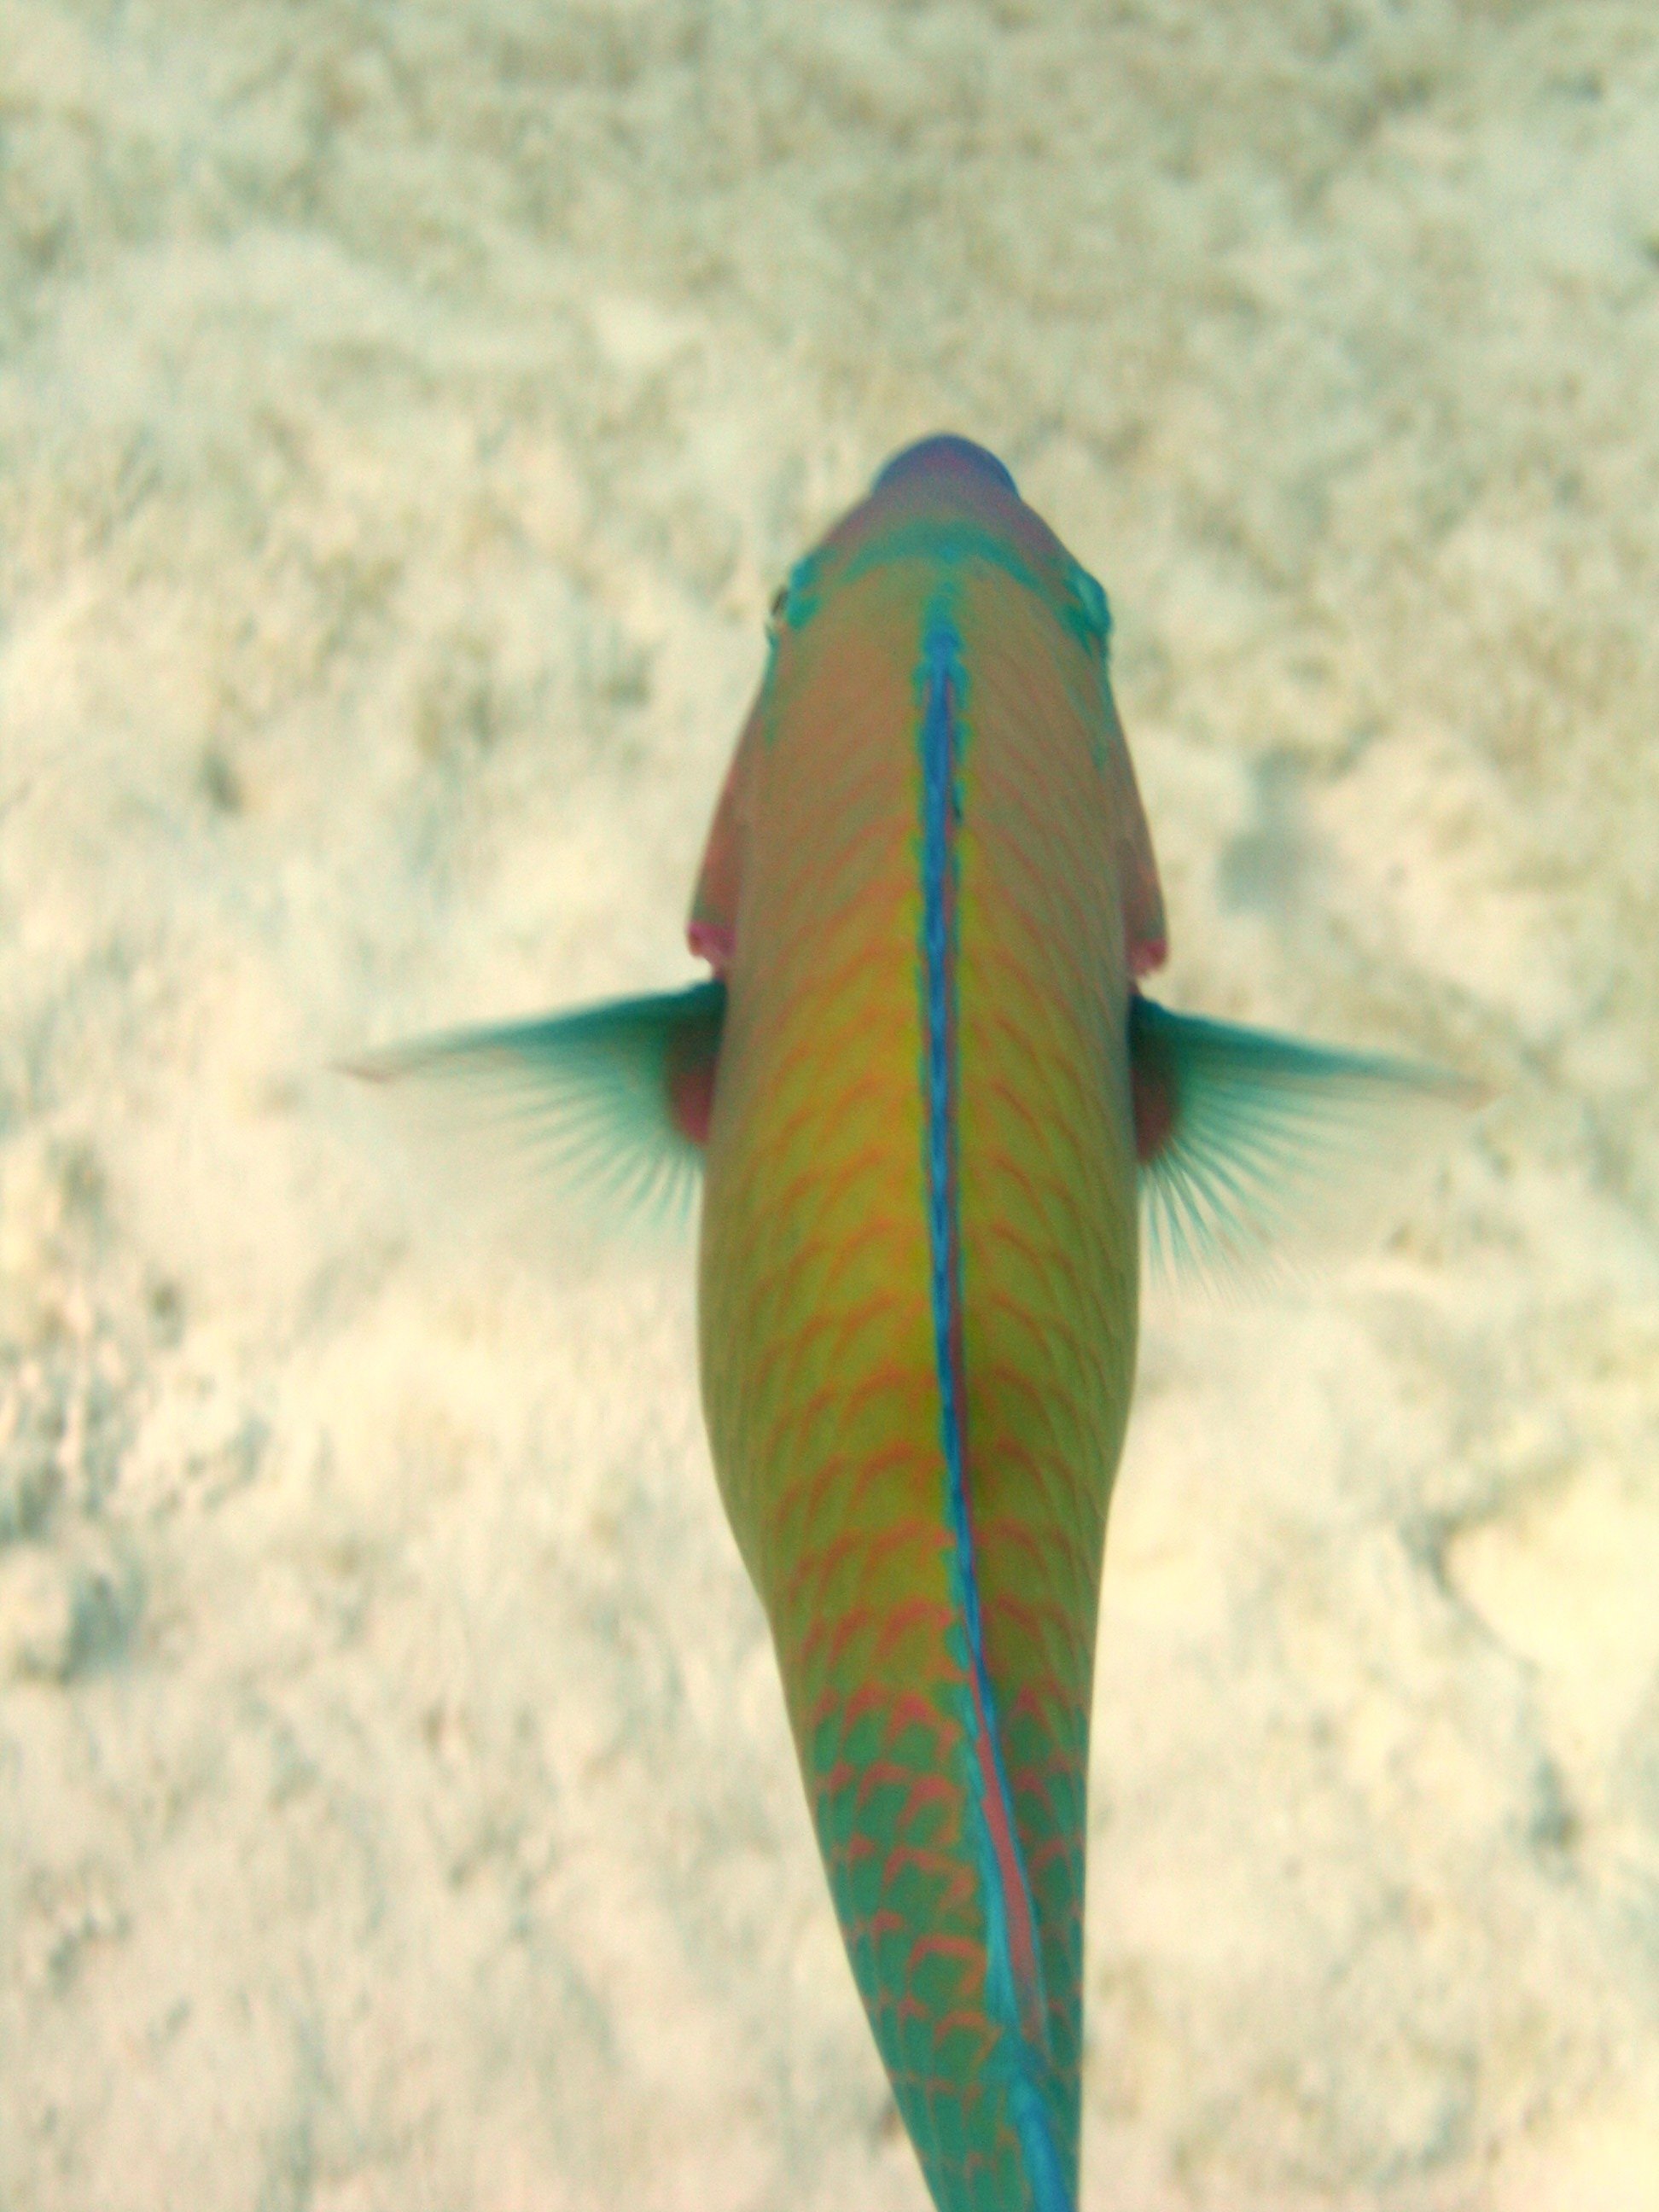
pixel 601 1113
pixel 1255 1148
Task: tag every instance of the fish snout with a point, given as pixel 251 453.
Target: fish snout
pixel 946 458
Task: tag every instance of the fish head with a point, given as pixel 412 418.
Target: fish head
pixel 943 505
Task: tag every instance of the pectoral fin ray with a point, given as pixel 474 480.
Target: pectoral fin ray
pixel 603 1111
pixel 1254 1146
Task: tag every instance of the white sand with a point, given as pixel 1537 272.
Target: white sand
pixel 404 416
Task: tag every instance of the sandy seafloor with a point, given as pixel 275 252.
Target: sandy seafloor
pixel 406 416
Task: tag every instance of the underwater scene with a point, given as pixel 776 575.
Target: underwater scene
pixel 1054 609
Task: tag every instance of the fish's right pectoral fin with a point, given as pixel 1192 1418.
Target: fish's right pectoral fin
pixel 603 1111
pixel 1254 1146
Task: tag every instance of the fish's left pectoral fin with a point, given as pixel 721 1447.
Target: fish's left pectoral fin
pixel 604 1111
pixel 1256 1148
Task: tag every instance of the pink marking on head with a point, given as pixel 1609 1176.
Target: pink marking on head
pixel 710 942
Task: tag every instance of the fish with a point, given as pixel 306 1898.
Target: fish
pixel 935 1120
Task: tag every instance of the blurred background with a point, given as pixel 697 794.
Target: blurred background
pixel 405 416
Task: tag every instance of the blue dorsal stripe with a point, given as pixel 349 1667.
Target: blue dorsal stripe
pixel 940 808
pixel 941 685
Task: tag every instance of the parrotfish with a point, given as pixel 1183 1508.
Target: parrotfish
pixel 933 1114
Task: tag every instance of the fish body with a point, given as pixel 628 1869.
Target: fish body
pixel 930 1110
pixel 919 1269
